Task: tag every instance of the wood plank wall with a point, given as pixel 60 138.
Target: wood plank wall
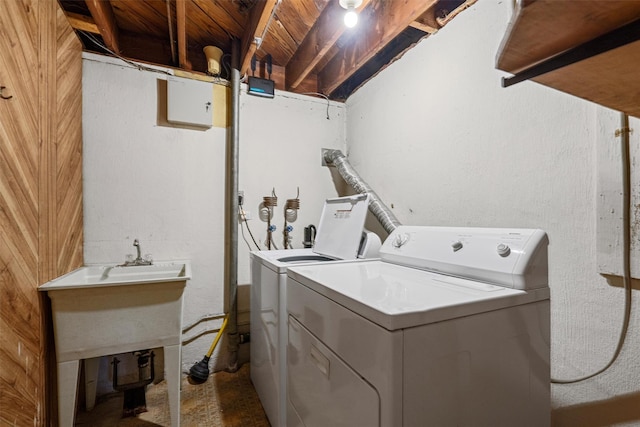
pixel 40 196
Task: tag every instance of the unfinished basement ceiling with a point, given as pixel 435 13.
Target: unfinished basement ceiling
pixel 310 47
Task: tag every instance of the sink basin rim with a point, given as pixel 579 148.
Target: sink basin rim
pixel 100 275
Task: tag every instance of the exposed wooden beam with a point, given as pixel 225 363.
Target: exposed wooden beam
pixel 259 17
pixel 82 23
pixel 445 20
pixel 427 22
pixel 181 17
pixel 172 41
pixel 318 43
pixel 104 18
pixel 422 27
pixel 379 24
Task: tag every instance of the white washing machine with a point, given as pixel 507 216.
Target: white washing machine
pixel 449 328
pixel 340 238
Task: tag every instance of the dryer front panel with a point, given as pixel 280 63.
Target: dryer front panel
pixel 322 389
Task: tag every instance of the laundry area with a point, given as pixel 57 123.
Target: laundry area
pixel 442 246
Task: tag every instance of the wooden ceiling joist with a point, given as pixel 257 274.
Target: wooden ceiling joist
pixel 317 44
pixel 260 14
pixel 384 21
pixel 82 23
pixel 427 22
pixel 105 20
pixel 181 18
pixel 174 53
pixel 306 40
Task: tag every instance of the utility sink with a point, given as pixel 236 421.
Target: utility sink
pixel 99 310
pixel 115 275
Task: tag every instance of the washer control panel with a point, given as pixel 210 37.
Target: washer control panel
pixel 493 255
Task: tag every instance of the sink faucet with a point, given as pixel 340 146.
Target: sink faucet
pixel 138 260
pixel 136 243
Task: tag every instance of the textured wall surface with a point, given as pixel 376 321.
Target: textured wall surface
pixel 441 141
pixel 166 185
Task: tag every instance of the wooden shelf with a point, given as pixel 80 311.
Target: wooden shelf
pixel 542 29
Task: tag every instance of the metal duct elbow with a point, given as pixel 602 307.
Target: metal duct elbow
pixel 387 219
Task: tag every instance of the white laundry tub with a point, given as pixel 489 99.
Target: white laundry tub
pixel 103 310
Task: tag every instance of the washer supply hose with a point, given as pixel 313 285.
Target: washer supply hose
pixel 387 219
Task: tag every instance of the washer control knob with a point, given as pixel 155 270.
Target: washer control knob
pixel 400 240
pixel 503 250
pixel 456 246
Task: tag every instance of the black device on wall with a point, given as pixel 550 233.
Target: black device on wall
pixel 258 86
pixel 261 87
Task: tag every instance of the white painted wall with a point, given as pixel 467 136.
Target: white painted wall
pixel 438 138
pixel 166 185
pixel 281 144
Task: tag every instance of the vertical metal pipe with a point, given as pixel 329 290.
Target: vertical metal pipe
pixel 231 234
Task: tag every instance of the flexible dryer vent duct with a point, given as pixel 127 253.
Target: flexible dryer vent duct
pixel 387 219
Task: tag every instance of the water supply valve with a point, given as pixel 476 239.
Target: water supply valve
pixel 266 213
pixel 290 215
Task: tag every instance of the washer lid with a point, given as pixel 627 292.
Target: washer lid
pixel 341 225
pixel 397 297
pixel 273 259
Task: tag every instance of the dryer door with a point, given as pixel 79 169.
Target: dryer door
pixel 322 389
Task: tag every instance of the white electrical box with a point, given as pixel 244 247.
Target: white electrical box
pixel 189 102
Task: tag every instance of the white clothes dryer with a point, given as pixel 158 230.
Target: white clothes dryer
pixel 340 238
pixel 449 328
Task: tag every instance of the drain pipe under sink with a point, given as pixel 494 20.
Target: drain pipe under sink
pixel 387 219
pixel 231 225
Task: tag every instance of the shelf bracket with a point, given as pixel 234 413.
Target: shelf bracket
pixel 624 35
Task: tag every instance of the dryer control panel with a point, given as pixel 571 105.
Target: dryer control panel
pixel 514 258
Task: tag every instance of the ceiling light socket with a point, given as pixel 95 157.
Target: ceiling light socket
pixel 350 3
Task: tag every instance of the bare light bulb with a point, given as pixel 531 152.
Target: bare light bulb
pixel 351 17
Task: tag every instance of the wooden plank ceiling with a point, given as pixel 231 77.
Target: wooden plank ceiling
pixel 310 48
